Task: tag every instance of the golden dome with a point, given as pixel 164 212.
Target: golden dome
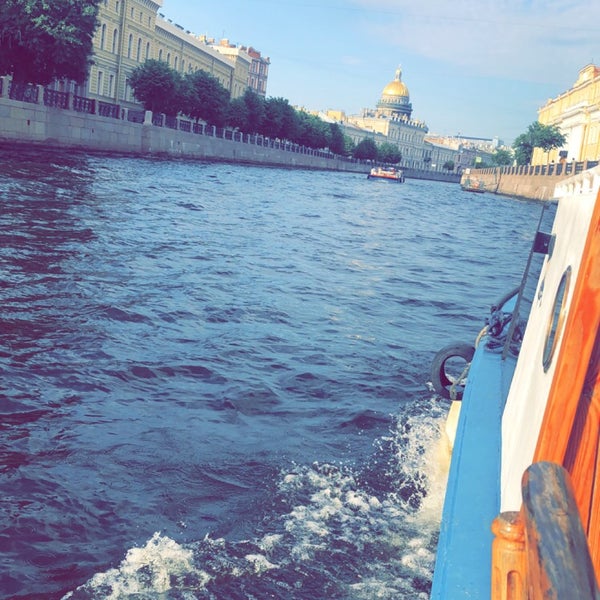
pixel 396 87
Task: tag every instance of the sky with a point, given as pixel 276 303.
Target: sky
pixel 473 68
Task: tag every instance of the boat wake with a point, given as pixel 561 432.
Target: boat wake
pixel 330 531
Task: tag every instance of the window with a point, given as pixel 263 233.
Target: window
pixel 176 62
pixel 102 36
pixel 100 83
pixel 168 58
pixel 147 50
pixel 111 85
pixel 129 44
pixel 138 54
pixel 557 319
pixel 114 41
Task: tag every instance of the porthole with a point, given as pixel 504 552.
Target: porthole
pixel 557 319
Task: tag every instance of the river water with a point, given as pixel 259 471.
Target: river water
pixel 214 378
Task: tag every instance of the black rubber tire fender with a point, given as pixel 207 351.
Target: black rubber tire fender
pixel 439 379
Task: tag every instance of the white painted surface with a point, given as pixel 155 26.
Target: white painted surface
pixel 530 387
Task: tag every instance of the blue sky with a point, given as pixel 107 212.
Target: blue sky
pixel 476 68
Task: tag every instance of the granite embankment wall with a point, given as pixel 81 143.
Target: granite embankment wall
pixel 34 115
pixel 46 118
pixel 532 182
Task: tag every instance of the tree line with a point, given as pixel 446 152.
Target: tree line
pixel 202 97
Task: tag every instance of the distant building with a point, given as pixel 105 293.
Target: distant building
pixel 577 113
pixel 258 65
pixel 133 31
pixel 466 151
pixel 259 72
pixel 391 121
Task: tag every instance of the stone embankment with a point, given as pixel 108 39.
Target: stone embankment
pixel 38 116
pixel 35 115
pixel 531 182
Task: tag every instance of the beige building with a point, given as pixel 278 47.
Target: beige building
pixel 258 65
pixel 391 121
pixel 577 113
pixel 132 31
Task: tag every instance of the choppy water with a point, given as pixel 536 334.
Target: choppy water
pixel 214 377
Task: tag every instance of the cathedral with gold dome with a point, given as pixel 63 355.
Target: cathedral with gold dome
pixel 395 99
pixel 391 121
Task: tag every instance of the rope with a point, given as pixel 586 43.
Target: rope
pixel 457 381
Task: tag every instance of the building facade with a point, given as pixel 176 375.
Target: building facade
pixel 256 64
pixel 391 122
pixel 577 114
pixel 133 31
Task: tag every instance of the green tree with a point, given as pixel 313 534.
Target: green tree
pixel 448 165
pixel 550 138
pixel 546 137
pixel 206 98
pixel 337 143
pixel 349 146
pixel 313 132
pixel 255 111
pixel 280 119
pixel 158 87
pixel 523 147
pixel 41 41
pixel 389 153
pixel 502 157
pixel 366 149
pixel 238 114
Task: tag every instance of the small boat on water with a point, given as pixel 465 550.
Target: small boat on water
pixel 521 516
pixel 473 185
pixel 386 173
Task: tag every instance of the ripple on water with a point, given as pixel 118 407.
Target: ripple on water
pixel 214 380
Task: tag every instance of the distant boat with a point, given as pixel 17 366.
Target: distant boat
pixel 473 185
pixel 389 173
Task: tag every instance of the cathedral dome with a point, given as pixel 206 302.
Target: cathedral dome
pixel 396 87
pixel 395 99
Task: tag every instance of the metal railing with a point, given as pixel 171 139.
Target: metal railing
pixel 66 101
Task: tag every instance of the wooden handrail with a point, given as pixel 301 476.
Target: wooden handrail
pixel 542 552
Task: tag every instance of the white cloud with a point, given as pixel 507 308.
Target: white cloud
pixel 525 40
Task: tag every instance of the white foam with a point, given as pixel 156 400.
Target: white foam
pixel 149 569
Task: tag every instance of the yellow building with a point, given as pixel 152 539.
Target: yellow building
pixel 132 31
pixel 577 114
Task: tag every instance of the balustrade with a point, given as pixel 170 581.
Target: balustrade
pixel 84 105
pixel 56 99
pixel 106 109
pixel 135 116
pixel 64 100
pixel 24 92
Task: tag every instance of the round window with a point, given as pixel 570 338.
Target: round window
pixel 557 319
